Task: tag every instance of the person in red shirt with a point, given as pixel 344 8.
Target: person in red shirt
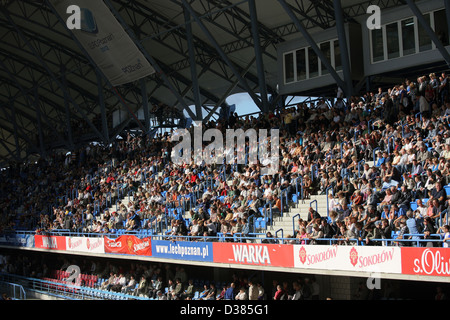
pixel 279 293
pixel 193 178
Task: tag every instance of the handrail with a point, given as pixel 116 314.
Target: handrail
pixel 284 192
pixel 314 201
pixel 293 222
pixel 313 169
pixel 359 167
pixel 418 114
pixel 282 234
pixel 374 155
pixel 301 186
pixel 370 125
pixel 14 287
pixel 220 237
pixel 389 143
pixel 66 290
pixel 327 192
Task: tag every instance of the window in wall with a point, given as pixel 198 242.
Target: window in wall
pixel 313 63
pixel 408 36
pixel 424 39
pixel 326 49
pixel 337 56
pixel 289 67
pixel 301 64
pixel 377 45
pixel 440 26
pixel 392 40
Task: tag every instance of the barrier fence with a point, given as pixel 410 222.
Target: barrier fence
pixel 421 257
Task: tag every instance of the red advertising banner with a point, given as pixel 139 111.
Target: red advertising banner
pixel 50 242
pixel 426 261
pixel 128 244
pixel 254 254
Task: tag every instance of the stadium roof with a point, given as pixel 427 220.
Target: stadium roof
pixel 50 91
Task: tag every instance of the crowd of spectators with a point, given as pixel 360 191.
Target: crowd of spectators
pixel 326 147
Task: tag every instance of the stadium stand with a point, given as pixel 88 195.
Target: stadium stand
pixel 353 157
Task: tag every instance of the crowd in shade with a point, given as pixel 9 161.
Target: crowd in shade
pixel 382 158
pixel 164 281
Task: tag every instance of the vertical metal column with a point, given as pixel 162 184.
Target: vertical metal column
pixel 447 13
pixel 36 54
pixel 258 55
pixel 152 61
pixel 342 37
pixel 301 28
pixel 101 103
pixel 222 54
pixel 429 31
pixel 67 108
pixel 16 137
pixel 39 123
pixel 144 95
pixel 193 65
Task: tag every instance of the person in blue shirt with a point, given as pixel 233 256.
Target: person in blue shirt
pixel 413 226
pixel 230 293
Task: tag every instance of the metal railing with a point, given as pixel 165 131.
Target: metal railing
pixel 14 291
pixel 62 290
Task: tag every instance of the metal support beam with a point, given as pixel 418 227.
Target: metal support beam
pixel 447 13
pixel 258 55
pixel 16 136
pixel 429 31
pixel 95 67
pixel 101 103
pixel 222 54
pixel 51 74
pixel 145 105
pixel 67 109
pixel 21 133
pixel 10 152
pixel 342 38
pixel 27 96
pixel 228 92
pixel 301 28
pixel 193 66
pixel 39 123
pixel 149 58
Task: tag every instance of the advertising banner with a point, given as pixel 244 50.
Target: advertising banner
pixel 85 244
pixel 348 258
pixel 426 261
pixel 128 244
pixel 254 254
pixel 105 41
pixel 50 242
pixel 17 240
pixel 183 250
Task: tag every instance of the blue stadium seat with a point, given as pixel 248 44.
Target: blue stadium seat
pixel 447 189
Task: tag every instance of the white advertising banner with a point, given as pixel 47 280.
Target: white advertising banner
pixel 105 40
pixel 85 244
pixel 348 258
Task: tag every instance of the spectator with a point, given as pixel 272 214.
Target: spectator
pixel 412 225
pixel 242 294
pixel 130 286
pixel 230 294
pixel 445 231
pixel 279 293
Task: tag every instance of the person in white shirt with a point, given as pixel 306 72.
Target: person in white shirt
pixel 130 286
pixel 242 295
pixel 252 290
pixel 298 291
